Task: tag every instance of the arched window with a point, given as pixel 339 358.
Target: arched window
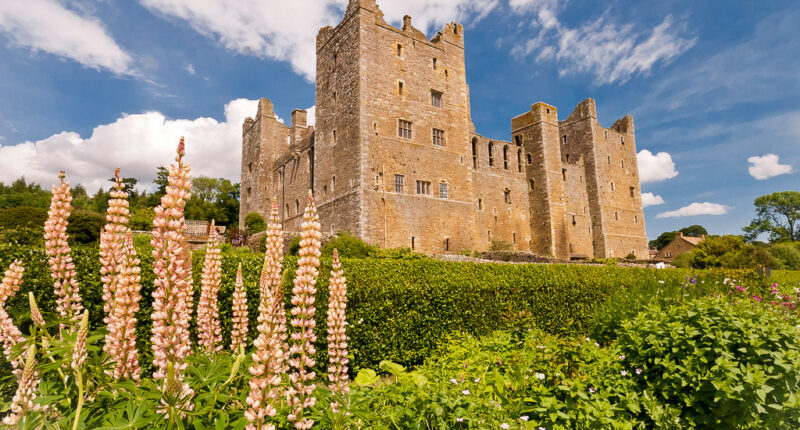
pixel 491 154
pixel 519 160
pixel 474 152
pixel 287 210
pixel 297 207
pixel 505 157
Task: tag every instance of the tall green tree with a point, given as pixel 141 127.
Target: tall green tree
pixel 778 215
pixel 214 198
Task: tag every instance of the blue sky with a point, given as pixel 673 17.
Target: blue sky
pixel 86 85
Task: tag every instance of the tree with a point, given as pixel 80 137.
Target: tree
pixel 694 231
pixel 214 198
pixel 21 193
pixel 254 223
pixel 778 215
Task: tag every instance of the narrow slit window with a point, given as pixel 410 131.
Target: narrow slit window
pixel 474 153
pixel 399 50
pixel 400 88
pixel 435 64
pixel 564 174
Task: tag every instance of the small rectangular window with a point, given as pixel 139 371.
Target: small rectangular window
pixel 633 191
pixel 513 237
pixel 413 242
pixel 480 204
pixel 507 196
pixel 564 174
pixel 565 138
pixel 399 183
pixel 334 137
pixel 436 99
pixel 443 191
pixel 423 187
pixel 616 216
pixel 518 140
pixel 404 129
pixel 435 64
pixel 333 183
pixel 438 137
pixel 400 88
pixel 334 100
pixel 250 166
pixel 612 186
pixel 622 140
pixel 399 50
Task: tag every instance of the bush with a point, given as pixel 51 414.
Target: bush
pixel 23 217
pixel 683 261
pixel 84 226
pixel 348 246
pixel 396 254
pixel 787 254
pixel 722 364
pixel 254 223
pixel 294 245
pixel 630 256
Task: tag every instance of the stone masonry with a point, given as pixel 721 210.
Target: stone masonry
pixel 394 157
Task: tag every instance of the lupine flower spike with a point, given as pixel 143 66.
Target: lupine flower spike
pixel 62 269
pixel 36 315
pixel 208 329
pixel 27 386
pixel 270 349
pixel 302 351
pixel 239 331
pixel 121 337
pixel 112 242
pixel 9 333
pixel 337 337
pixel 171 298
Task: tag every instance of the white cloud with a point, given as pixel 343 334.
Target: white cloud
pixel 46 25
pixel 694 209
pixel 135 143
pixel 650 199
pixel 286 31
pixel 767 166
pixel 611 51
pixel 311 115
pixel 655 167
pixel 190 69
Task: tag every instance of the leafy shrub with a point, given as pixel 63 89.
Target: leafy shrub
pixel 141 219
pixel 84 226
pixel 500 245
pixel 683 261
pixel 348 245
pixel 294 245
pixel 396 254
pixel 26 217
pixel 254 223
pixel 722 364
pixel 630 256
pixel 22 236
pixel 788 254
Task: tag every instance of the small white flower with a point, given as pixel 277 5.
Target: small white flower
pixel 454 381
pixel 465 392
pixel 592 390
pixel 540 346
pixel 588 340
pixel 624 373
pixel 539 376
pixel 638 371
pixel 542 428
pixel 504 426
pixel 621 357
pixel 660 281
pixel 477 380
pixel 459 420
pixel 524 418
pixel 596 344
pixel 361 321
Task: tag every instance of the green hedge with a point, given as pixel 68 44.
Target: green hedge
pixel 398 310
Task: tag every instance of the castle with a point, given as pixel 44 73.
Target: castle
pixel 394 157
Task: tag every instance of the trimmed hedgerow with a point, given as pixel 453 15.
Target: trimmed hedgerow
pixel 398 309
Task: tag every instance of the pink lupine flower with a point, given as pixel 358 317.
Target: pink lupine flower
pixel 337 336
pixel 302 349
pixel 239 332
pixel 36 315
pixel 112 242
pixel 9 332
pixel 79 349
pixel 121 338
pixel 270 345
pixel 62 269
pixel 172 298
pixel 27 386
pixel 208 329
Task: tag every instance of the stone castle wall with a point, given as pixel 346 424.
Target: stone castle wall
pixel 394 157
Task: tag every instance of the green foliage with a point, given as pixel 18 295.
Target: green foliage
pixel 500 245
pixel 683 261
pixel 722 364
pixel 254 223
pixel 141 219
pixel 787 254
pixel 294 246
pixel 668 236
pixel 84 226
pixel 722 251
pixel 24 216
pixel 778 215
pixel 396 254
pixel 214 199
pixel 630 256
pixel 348 245
pixel 22 194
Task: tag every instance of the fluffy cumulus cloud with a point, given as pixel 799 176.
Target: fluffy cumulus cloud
pixel 609 50
pixel 47 25
pixel 767 166
pixel 135 143
pixel 650 199
pixel 286 31
pixel 655 167
pixel 695 209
